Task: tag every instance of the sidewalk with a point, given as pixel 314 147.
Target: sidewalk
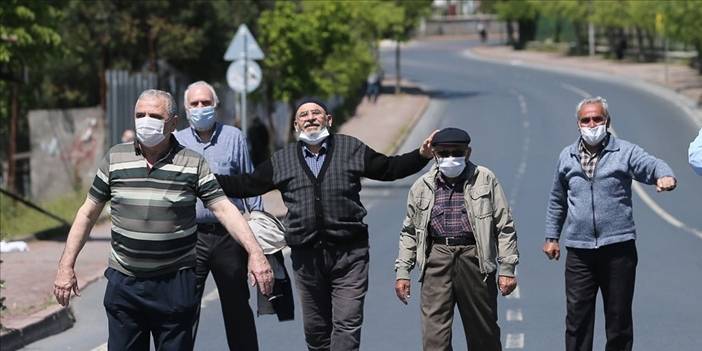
pixel 32 311
pixel 682 80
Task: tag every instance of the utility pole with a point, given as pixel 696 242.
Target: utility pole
pixel 590 33
pixel 397 67
pixel 12 143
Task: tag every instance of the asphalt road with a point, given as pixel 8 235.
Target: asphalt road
pixel 519 118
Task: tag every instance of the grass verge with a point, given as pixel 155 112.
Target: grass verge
pixel 18 220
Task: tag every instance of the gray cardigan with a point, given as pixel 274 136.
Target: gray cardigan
pixel 597 212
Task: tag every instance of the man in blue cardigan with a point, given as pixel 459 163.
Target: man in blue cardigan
pixel 590 210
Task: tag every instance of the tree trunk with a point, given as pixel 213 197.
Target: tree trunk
pixel 527 32
pixel 105 57
pixel 698 46
pixel 640 43
pixel 557 30
pixel 578 29
pixel 397 67
pixel 510 33
pixel 12 142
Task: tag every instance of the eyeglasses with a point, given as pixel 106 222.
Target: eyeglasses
pixel 596 119
pixel 451 153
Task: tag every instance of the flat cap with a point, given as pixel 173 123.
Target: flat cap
pixel 451 136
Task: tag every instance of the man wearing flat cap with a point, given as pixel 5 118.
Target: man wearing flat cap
pixel 320 181
pixel 460 233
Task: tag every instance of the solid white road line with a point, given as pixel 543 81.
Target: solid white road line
pixel 102 347
pixel 652 204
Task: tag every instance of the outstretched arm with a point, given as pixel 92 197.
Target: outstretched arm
pixel 382 167
pixel 248 185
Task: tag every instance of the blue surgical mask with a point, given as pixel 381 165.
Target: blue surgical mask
pixel 202 118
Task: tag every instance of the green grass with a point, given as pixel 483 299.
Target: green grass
pixel 18 220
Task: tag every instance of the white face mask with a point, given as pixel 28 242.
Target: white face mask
pixel 313 138
pixel 451 167
pixel 595 135
pixel 149 131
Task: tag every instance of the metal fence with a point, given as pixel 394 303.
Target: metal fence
pixel 123 89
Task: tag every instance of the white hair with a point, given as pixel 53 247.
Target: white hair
pixel 170 102
pixel 200 83
pixel 596 100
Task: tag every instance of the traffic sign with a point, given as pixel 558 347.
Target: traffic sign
pixel 235 76
pixel 243 46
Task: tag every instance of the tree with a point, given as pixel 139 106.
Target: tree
pixel 27 36
pixel 402 25
pixel 682 21
pixel 313 48
pixel 526 15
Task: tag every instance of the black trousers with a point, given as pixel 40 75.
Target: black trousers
pixel 332 282
pixel 163 306
pixel 219 253
pixel 611 269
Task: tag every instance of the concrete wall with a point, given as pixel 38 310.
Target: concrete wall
pixel 462 25
pixel 66 147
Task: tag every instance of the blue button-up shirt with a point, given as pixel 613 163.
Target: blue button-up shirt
pixel 315 161
pixel 227 154
pixel 695 154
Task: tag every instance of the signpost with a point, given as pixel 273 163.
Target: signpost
pixel 243 74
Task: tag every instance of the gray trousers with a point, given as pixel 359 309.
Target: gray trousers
pixel 332 283
pixel 452 276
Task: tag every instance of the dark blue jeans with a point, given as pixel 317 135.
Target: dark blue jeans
pixel 163 306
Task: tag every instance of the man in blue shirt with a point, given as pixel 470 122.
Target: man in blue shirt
pixel 695 154
pixel 224 148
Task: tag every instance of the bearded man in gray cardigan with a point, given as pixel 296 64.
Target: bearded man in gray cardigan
pixel 590 211
pixel 319 178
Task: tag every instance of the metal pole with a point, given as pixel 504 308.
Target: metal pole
pixel 243 94
pixel 591 38
pixel 666 60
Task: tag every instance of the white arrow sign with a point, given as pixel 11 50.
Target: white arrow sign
pixel 235 76
pixel 243 46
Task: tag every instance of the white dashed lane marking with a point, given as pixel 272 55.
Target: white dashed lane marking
pixel 515 315
pixel 515 341
pixel 515 294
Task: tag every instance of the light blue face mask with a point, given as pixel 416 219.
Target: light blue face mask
pixel 202 118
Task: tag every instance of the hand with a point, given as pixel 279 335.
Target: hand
pixel 506 284
pixel 260 273
pixel 65 283
pixel 552 250
pixel 666 184
pixel 425 148
pixel 402 290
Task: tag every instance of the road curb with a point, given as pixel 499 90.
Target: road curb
pixel 684 103
pixel 43 323
pixel 49 322
pixel 407 128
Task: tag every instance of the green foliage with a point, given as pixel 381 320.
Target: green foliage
pixel 17 220
pixel 26 30
pixel 316 48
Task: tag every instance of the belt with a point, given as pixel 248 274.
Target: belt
pixel 453 240
pixel 211 228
